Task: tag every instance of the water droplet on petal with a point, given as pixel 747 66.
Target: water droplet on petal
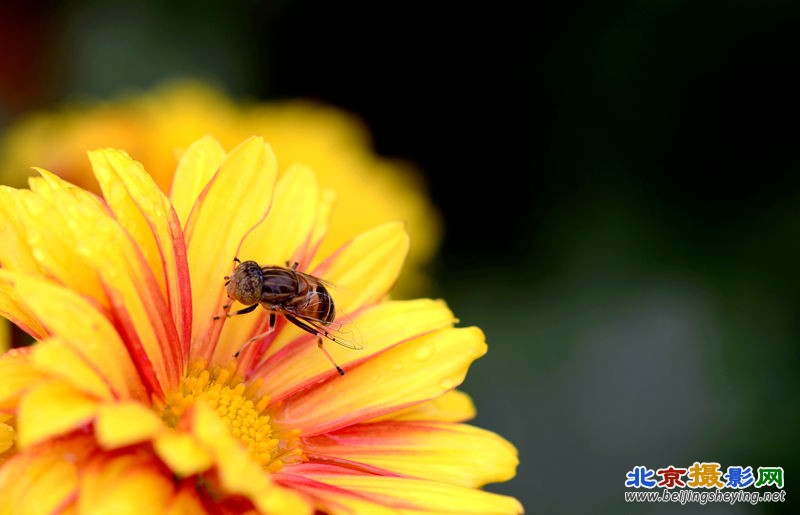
pixel 447 383
pixel 39 254
pixel 423 353
pixel 34 236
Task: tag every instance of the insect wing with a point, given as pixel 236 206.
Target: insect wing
pixel 342 330
pixel 346 332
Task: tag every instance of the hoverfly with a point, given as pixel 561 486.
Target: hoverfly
pixel 301 298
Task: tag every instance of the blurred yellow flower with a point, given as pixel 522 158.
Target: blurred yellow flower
pixel 140 396
pixel 155 128
pixel 5 336
pixel 6 435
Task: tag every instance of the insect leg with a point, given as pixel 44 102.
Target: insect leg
pixel 270 328
pixel 242 311
pixel 328 355
pixel 306 327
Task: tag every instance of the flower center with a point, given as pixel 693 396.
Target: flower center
pixel 241 409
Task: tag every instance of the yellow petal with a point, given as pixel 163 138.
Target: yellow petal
pixel 90 252
pixel 186 501
pixel 134 484
pixel 289 221
pixel 14 308
pixel 41 480
pixel 50 186
pixel 454 406
pixel 18 376
pixel 320 227
pixel 414 495
pixel 57 359
pixel 79 325
pixel 238 474
pixel 7 436
pixel 453 453
pixel 378 327
pixel 418 370
pixel 365 268
pixel 280 238
pixel 51 409
pixel 15 253
pixel 236 199
pixel 333 500
pixel 51 246
pixel 196 168
pixel 147 215
pixel 128 281
pixel 182 453
pixel 121 178
pixel 124 423
pixel 5 334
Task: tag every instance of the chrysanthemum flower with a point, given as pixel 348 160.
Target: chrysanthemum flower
pixel 155 127
pixel 136 399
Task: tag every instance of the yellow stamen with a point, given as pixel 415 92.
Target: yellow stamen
pixel 246 417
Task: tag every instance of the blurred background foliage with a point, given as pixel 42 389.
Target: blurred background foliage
pixel 618 181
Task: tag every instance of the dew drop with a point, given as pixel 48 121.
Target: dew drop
pixel 34 237
pixel 115 192
pixel 423 353
pixel 39 254
pixel 447 383
pixel 35 208
pixel 83 249
pixel 146 205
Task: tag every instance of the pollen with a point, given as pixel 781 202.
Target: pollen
pixel 244 413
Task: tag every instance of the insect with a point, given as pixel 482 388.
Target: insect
pixel 301 298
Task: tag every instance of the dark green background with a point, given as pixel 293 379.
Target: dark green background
pixel 619 182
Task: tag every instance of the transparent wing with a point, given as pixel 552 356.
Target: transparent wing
pixel 345 333
pixel 342 330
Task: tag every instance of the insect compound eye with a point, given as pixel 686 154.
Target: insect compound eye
pixel 245 285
